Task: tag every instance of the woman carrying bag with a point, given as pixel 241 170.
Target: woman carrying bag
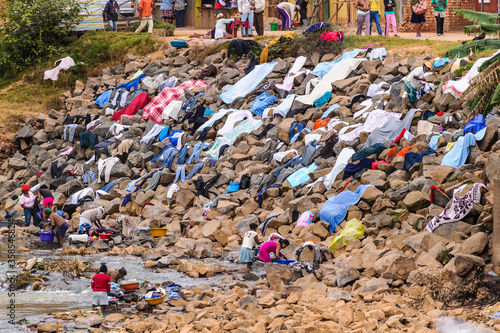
pixel 418 9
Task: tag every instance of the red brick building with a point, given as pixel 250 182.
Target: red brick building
pixel 452 22
pixel 490 6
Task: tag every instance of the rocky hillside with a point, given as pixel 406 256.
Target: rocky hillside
pixel 396 276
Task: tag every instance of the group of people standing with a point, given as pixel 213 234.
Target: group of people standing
pixel 368 12
pixel 173 9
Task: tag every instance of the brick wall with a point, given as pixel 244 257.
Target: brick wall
pixel 452 22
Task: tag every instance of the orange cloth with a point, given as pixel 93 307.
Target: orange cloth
pixel 145 7
pixel 405 150
pixel 392 152
pixel 320 123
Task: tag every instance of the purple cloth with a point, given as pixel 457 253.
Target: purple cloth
pixel 285 19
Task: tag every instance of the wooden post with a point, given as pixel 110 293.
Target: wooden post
pixel 496 227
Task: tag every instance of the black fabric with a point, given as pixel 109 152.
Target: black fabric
pixel 197 124
pixel 266 129
pixel 244 182
pixel 240 47
pixel 254 61
pixel 297 111
pixel 68 120
pixel 210 70
pixel 56 171
pixel 191 116
pixel 267 180
pixel 45 193
pixel 355 100
pixel 222 148
pixel 203 134
pixel 295 215
pixel 263 88
pixel 70 209
pixel 122 157
pixel 199 185
pixel 352 169
pixel 327 151
pixel 209 184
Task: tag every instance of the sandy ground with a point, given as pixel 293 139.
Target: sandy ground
pixel 449 36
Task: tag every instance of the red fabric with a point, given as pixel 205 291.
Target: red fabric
pixel 100 282
pixel 337 36
pixel 321 123
pixel 377 163
pixel 440 113
pixel 137 103
pixel 238 24
pixel 125 116
pixel 400 136
pixel 434 187
pixel 154 110
pixel 405 150
pixel 218 6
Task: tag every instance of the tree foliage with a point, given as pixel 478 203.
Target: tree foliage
pixel 484 22
pixel 34 30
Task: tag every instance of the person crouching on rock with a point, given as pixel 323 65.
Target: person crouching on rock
pixel 117 274
pixel 412 82
pixel 55 220
pixel 249 241
pixel 220 27
pixel 101 285
pixel 272 247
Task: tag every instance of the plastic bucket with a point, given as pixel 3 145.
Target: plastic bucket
pixel 104 236
pixel 274 26
pixel 158 232
pixel 47 236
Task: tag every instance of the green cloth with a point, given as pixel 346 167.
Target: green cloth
pixel 442 5
pixel 412 92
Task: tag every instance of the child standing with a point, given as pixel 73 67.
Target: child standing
pixel 390 17
pixel 249 241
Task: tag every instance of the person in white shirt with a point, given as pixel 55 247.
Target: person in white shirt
pixel 412 82
pixel 249 240
pixel 220 27
pixel 246 13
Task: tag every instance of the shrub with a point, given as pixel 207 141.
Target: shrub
pixel 34 30
pixel 158 24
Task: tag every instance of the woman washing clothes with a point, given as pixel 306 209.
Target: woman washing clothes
pixel 220 27
pixel 287 12
pixel 272 247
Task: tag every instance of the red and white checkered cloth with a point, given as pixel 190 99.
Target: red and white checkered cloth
pixel 154 110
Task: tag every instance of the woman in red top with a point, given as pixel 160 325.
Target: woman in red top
pixel 101 285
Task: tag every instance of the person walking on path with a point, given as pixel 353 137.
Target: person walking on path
pixel 111 13
pixel 363 11
pixel 145 8
pixel 389 6
pixel 246 13
pixel 439 13
pixel 258 16
pixel 375 16
pixel 180 9
pixel 418 19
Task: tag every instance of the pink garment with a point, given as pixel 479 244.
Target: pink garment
pixel 372 45
pixel 65 64
pixel 67 152
pixel 288 81
pixel 266 249
pixel 28 202
pixel 390 18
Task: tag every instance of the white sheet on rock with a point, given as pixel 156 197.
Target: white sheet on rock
pixel 377 118
pixel 232 119
pixel 339 166
pixel 338 72
pixel 215 116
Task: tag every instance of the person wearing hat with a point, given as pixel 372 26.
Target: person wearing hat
pixel 220 27
pixel 92 216
pixel 28 203
pixel 55 220
pixel 412 82
pixel 117 274
pixel 101 286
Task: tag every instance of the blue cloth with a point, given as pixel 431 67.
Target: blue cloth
pixel 327 96
pixel 367 151
pixel 294 161
pixel 434 140
pixel 248 83
pixel 262 194
pixel 182 155
pixel 324 67
pixel 475 124
pixel 301 176
pixel 172 139
pixel 132 84
pixel 195 170
pixel 108 186
pixel 164 133
pixel 262 102
pixel 412 158
pixel 330 109
pixel 460 151
pixel 191 102
pixel 89 177
pixel 103 98
pixel 315 27
pixel 180 172
pixel 352 169
pixel 131 184
pixel 335 209
pixel 233 187
pixel 173 290
pixel 296 136
pixel 375 16
pixel 208 112
pixel 168 156
pixel 157 156
pixel 197 150
pixel 439 62
pixel 295 126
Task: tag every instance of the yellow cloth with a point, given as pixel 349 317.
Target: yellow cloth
pixel 374 5
pixel 449 146
pixel 353 229
pixel 264 54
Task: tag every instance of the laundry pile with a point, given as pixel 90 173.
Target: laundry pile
pixel 207 157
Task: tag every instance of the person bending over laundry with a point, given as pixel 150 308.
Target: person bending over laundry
pixel 145 7
pixel 55 220
pixel 45 197
pixel 249 241
pixel 412 81
pixel 220 27
pixel 287 12
pixel 117 274
pixel 28 203
pixel 101 286
pixel 92 216
pixel 272 247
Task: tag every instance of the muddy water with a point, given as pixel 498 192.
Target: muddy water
pixel 63 294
